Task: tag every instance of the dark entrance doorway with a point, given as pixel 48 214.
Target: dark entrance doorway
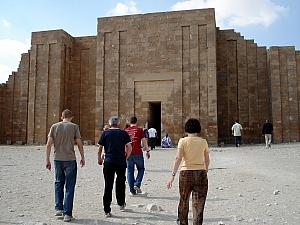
pixel 155 119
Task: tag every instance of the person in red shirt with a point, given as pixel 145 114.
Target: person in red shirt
pixel 136 158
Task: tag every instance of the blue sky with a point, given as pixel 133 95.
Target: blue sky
pixel 268 22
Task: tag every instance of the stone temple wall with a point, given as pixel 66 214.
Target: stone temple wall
pixel 243 86
pixel 160 57
pixel 57 73
pixel 179 60
pixel 284 70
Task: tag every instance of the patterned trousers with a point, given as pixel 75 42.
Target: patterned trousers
pixel 195 182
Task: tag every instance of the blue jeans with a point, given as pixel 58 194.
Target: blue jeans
pixel 65 175
pixel 237 140
pixel 138 161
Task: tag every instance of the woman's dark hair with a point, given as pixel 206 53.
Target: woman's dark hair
pixel 192 126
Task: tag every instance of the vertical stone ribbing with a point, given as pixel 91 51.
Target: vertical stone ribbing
pixel 186 73
pixel 252 92
pixel 292 94
pixel 284 94
pixel 31 96
pixel 203 78
pixel 243 91
pixel 9 111
pixel 275 78
pixel 298 87
pixel 263 87
pixel 195 78
pixel 3 90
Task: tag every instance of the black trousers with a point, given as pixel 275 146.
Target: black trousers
pixel 152 142
pixel 109 171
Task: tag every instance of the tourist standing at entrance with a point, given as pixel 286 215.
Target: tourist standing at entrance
pixel 114 140
pixel 152 137
pixel 136 158
pixel 62 135
pixel 237 133
pixel 193 151
pixel 267 131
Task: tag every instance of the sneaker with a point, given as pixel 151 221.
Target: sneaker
pixel 269 145
pixel 137 189
pixel 67 218
pixel 107 215
pixel 122 207
pixel 59 213
pixel 133 193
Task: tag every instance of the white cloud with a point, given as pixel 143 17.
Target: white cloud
pixel 5 23
pixel 124 9
pixel 10 56
pixel 238 12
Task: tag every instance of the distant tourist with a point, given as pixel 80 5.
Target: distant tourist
pixel 152 137
pixel 193 151
pixel 166 142
pixel 62 135
pixel 267 131
pixel 146 134
pixel 136 159
pixel 114 141
pixel 237 133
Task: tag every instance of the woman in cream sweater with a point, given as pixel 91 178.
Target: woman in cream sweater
pixel 194 155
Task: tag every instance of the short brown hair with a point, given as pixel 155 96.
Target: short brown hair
pixel 67 114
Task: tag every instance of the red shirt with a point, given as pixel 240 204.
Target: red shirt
pixel 136 134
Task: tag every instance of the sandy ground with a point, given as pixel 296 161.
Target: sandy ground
pixel 242 182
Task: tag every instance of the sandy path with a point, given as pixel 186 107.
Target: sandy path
pixel 241 185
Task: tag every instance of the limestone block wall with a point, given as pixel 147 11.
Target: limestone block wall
pixel 80 84
pixel 3 89
pixel 20 104
pixel 160 57
pixel 8 112
pixel 285 86
pixel 46 87
pixel 243 86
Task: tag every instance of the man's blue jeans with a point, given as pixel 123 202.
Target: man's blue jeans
pixel 65 175
pixel 138 161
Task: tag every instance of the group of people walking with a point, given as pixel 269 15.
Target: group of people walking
pixel 120 149
pixel 267 132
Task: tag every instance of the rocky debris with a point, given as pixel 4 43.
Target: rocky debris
pixel 153 208
pixel 41 223
pixel 238 218
pixel 221 223
pixel 21 215
pixel 220 188
pixel 276 192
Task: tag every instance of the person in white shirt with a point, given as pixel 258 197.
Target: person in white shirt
pixel 166 142
pixel 152 137
pixel 237 133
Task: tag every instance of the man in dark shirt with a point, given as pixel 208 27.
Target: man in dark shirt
pixel 267 132
pixel 136 158
pixel 114 141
